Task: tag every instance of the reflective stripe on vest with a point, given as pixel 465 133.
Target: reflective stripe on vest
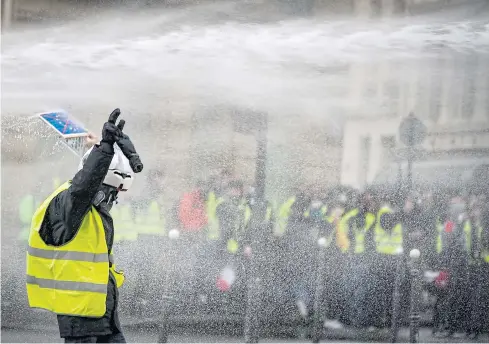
pixel 343 228
pixel 241 222
pixel 388 243
pixel 282 219
pixel 468 239
pixel 360 233
pixel 468 235
pixel 70 279
pixel 212 203
pixel 439 238
pixel 248 213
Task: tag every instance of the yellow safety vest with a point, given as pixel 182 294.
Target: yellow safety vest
pixel 439 239
pixel 232 244
pixel 282 219
pixel 151 221
pixel 468 239
pixel 248 215
pixel 213 232
pixel 388 243
pixel 468 234
pixel 343 242
pixel 70 279
pixel 27 206
pixel 324 211
pixel 360 233
pixel 125 228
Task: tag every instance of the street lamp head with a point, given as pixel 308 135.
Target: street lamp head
pixel 414 254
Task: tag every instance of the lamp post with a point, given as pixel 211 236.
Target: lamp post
pixel 255 123
pixel 415 317
pixel 167 299
pixel 318 306
pixel 412 132
pixel 396 297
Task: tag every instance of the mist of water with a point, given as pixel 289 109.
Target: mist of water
pixel 159 65
pixel 139 62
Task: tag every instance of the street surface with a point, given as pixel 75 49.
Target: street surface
pixel 150 336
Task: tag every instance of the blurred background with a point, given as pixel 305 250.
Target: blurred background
pixel 194 80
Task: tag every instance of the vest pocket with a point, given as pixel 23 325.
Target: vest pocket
pixel 118 275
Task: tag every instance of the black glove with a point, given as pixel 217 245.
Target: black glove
pixel 127 147
pixel 111 132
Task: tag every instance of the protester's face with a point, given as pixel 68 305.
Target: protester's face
pixel 409 205
pixel 234 193
pixel 337 211
pixel 158 183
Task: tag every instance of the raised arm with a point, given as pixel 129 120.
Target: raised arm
pixel 67 210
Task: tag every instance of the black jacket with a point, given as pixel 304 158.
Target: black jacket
pixel 63 218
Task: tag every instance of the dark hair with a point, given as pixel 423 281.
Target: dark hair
pixel 226 173
pixel 238 184
pixel 155 174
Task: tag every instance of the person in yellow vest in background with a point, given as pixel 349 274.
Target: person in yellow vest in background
pixel 27 206
pixel 477 281
pixel 337 262
pixel 362 279
pixel 70 267
pixel 213 201
pixel 299 255
pixel 150 215
pixel 266 232
pixel 283 212
pixel 143 215
pixel 389 248
pixel 231 214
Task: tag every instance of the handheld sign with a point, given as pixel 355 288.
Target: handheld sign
pixel 69 131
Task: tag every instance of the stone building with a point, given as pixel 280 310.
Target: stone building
pixel 195 141
pixel 449 92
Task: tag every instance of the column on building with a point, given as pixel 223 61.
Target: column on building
pixel 469 69
pixel 436 75
pixel 457 88
pixel 7 13
pixel 408 89
pixel 390 87
pixel 382 77
pixel 448 77
pixel 357 76
pixel 363 8
pixel 421 109
pixel 375 161
pixel 211 138
pixel 481 108
pixel 388 8
pixel 356 148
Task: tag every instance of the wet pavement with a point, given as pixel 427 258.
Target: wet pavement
pixel 150 336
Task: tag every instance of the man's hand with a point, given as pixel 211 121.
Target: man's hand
pixel 111 132
pixel 91 140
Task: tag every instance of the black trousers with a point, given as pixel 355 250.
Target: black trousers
pixel 111 338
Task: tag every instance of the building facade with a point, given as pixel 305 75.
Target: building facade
pixel 448 91
pixel 196 141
